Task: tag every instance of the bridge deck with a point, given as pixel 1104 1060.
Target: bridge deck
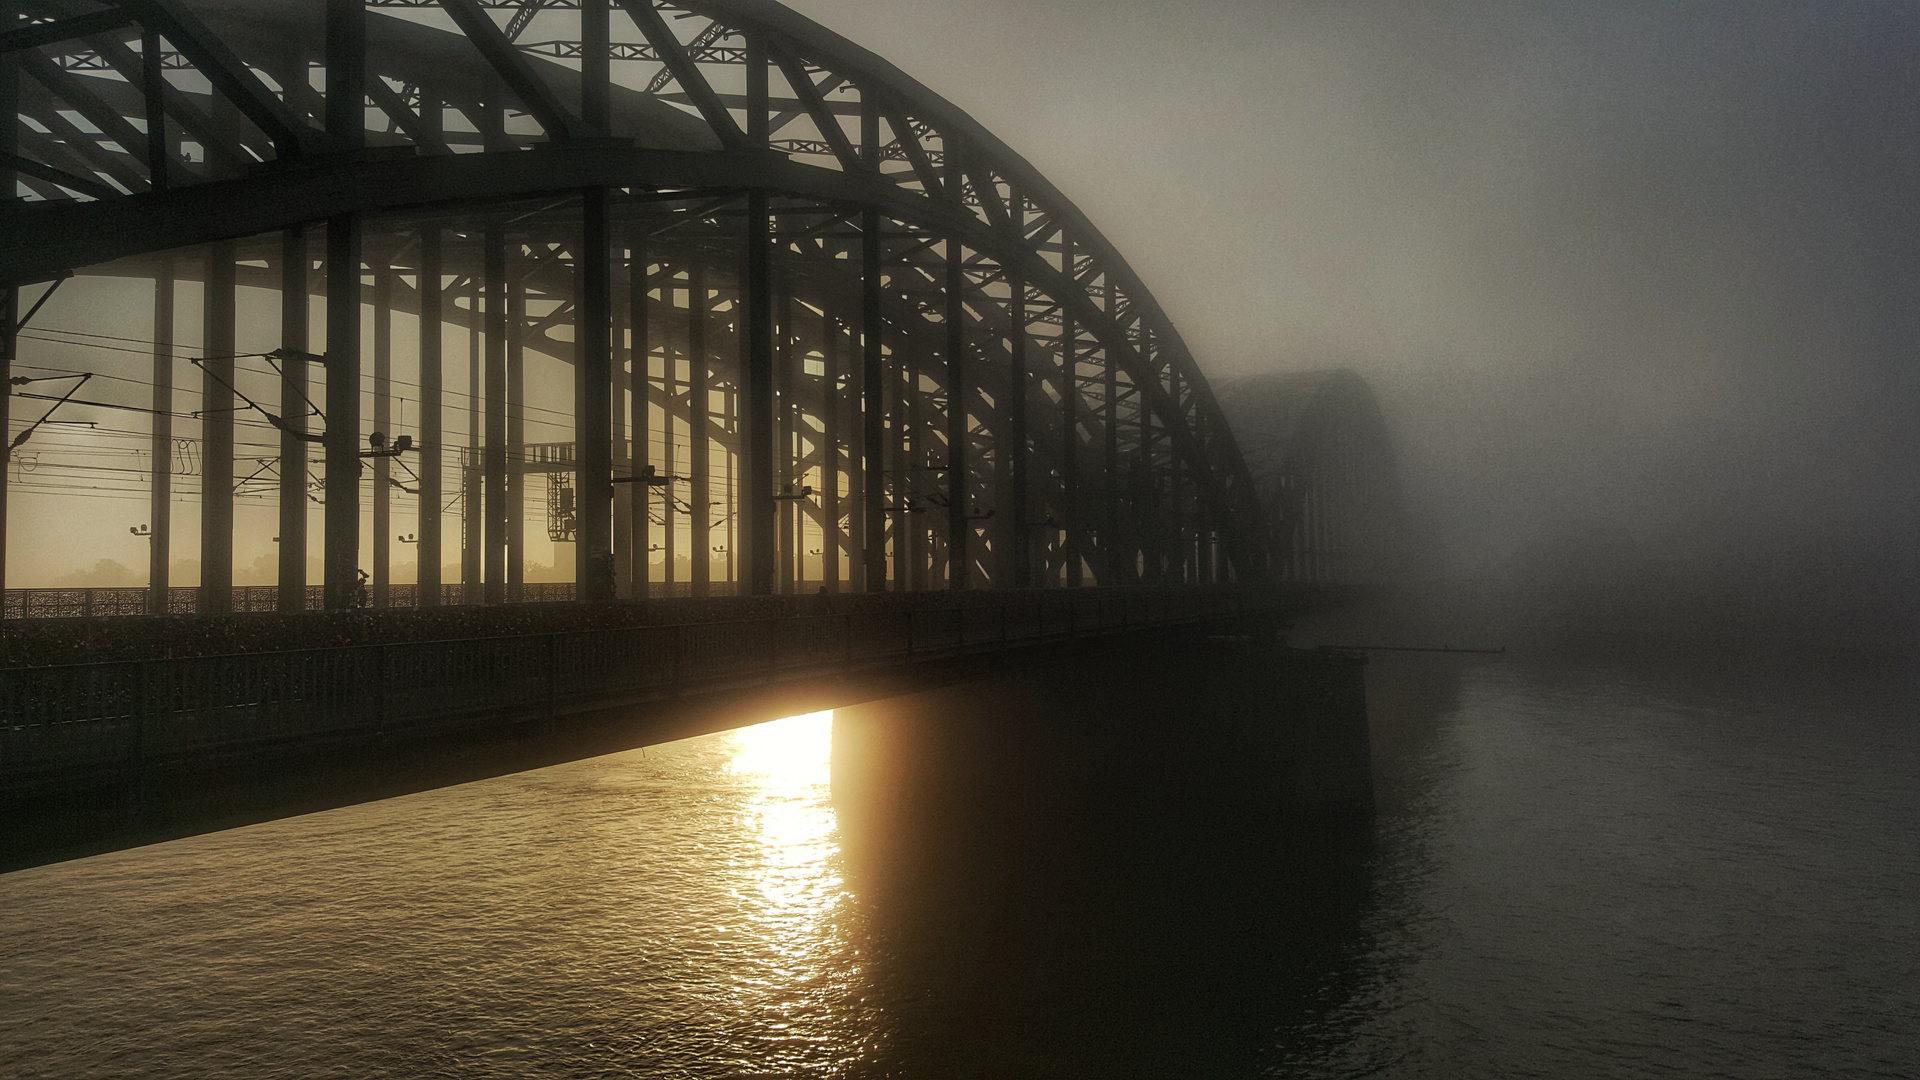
pixel 69 722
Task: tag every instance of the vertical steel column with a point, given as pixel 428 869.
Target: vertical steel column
pixel 295 314
pixel 732 483
pixel 758 523
pixel 832 537
pixel 640 354
pixel 433 438
pixel 759 122
pixel 670 421
pixel 856 533
pixel 9 295
pixel 895 472
pixel 383 424
pixel 753 408
pixel 10 11
pixel 516 458
pixel 1112 570
pixel 293 73
pixel 153 98
pixel 160 496
pixel 341 573
pixel 1146 511
pixel 224 124
pixel 784 455
pixel 432 115
pixel 1175 496
pixel 1016 432
pixel 9 342
pixel 472 512
pixel 869 569
pixel 216 432
pixel 909 448
pixel 873 387
pixel 493 476
pixel 959 559
pixel 699 443
pixel 346 30
pixel 593 424
pixel 9 192
pixel 493 114
pixel 1070 445
pixel 595 53
pixel 619 357
pixel 346 58
pixel 494 515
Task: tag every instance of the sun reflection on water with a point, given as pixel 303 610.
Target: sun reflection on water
pixel 793 756
pixel 789 765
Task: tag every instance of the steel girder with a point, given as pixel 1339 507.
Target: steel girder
pixel 261 162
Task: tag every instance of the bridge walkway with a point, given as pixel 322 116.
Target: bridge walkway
pixel 68 724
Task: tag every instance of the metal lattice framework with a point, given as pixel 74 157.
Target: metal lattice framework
pixel 762 249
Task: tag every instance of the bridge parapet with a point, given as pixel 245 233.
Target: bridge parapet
pixel 105 719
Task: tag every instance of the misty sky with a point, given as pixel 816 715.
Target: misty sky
pixel 1638 270
pixel 1651 264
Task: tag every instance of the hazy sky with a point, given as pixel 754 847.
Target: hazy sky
pixel 1653 263
pixel 1640 269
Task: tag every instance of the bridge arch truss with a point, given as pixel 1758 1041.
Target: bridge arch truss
pixel 804 302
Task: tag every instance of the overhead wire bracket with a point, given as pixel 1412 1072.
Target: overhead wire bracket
pixel 35 426
pixel 272 418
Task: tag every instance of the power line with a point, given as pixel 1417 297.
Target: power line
pixel 35 336
pixel 108 337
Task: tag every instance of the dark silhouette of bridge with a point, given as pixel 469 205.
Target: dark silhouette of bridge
pixel 825 335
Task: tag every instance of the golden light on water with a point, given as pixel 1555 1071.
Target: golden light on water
pixel 792 756
pixel 789 763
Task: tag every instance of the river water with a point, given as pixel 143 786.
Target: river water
pixel 1578 869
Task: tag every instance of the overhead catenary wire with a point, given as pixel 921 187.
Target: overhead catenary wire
pixel 660 438
pixel 560 419
pixel 137 352
pixel 458 396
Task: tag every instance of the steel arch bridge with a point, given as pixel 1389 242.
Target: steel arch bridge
pixel 1318 450
pixel 800 296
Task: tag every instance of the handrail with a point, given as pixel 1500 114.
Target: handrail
pixel 106 715
pixel 1093 594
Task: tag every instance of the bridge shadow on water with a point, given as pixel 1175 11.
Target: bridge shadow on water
pixel 1160 865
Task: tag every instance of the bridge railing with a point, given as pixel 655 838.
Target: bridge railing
pixel 124 715
pixel 90 602
pixel 85 602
